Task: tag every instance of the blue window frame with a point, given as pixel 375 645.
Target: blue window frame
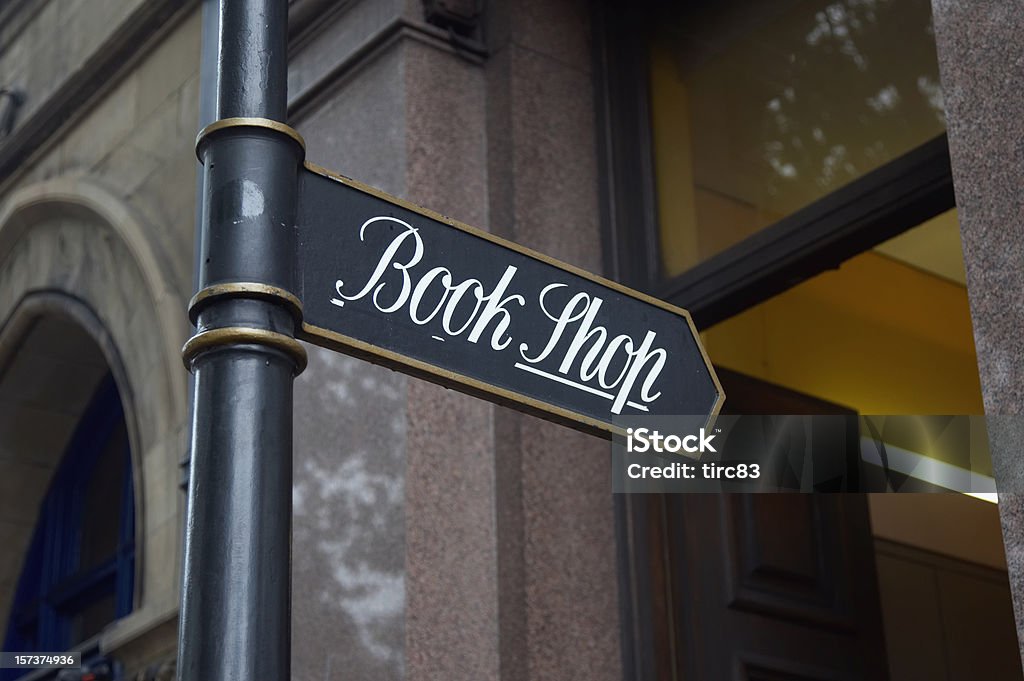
pixel 78 574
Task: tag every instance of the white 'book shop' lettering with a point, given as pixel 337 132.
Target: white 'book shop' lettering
pixel 588 358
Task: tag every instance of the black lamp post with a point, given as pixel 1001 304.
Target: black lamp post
pixel 235 614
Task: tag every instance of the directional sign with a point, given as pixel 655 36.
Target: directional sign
pixel 401 286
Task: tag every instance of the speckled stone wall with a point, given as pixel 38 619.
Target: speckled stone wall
pixel 557 566
pixel 981 54
pixel 495 540
pixel 348 527
pixel 511 563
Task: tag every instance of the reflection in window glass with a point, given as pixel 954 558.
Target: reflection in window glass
pixel 761 108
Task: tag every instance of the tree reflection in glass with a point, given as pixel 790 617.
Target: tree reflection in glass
pixel 761 108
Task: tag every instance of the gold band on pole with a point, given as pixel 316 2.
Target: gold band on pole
pixel 242 335
pixel 248 122
pixel 245 289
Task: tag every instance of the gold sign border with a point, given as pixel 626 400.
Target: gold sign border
pixel 339 342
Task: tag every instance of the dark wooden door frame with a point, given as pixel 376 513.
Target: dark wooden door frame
pixel 876 207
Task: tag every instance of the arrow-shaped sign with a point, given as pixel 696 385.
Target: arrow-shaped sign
pixel 401 286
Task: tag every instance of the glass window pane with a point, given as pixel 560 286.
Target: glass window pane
pixel 888 332
pixel 102 511
pixel 761 108
pixel 91 619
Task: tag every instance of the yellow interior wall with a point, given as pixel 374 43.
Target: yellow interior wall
pixel 876 335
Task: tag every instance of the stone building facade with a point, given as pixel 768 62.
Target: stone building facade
pixel 396 567
pixel 435 536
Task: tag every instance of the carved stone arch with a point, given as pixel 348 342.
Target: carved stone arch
pixel 69 247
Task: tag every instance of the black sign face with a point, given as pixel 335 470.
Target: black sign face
pixel 397 285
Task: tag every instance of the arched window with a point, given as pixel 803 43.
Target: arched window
pixel 78 574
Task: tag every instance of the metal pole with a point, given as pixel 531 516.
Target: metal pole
pixel 235 620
